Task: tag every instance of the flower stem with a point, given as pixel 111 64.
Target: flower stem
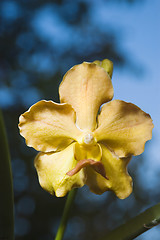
pixel 137 225
pixel 66 212
pixel 6 188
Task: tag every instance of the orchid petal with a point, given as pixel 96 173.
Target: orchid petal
pixel 52 168
pixel 86 87
pixel 48 126
pixel 118 179
pixel 124 128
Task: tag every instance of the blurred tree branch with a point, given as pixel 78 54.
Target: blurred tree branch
pixel 137 225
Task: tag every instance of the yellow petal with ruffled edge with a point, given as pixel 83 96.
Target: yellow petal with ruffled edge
pixel 52 169
pixel 48 126
pixel 86 87
pixel 118 179
pixel 124 128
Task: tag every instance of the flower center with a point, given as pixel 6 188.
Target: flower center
pixel 88 139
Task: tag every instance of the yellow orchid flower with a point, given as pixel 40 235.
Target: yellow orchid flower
pixel 79 146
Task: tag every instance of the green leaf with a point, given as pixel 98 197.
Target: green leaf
pixel 6 188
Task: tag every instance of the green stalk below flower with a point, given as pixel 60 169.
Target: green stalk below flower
pixel 66 212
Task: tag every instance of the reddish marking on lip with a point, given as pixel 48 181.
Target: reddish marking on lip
pixel 97 166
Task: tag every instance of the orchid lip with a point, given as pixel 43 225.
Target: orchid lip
pixel 96 165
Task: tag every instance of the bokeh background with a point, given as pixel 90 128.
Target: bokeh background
pixel 39 41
